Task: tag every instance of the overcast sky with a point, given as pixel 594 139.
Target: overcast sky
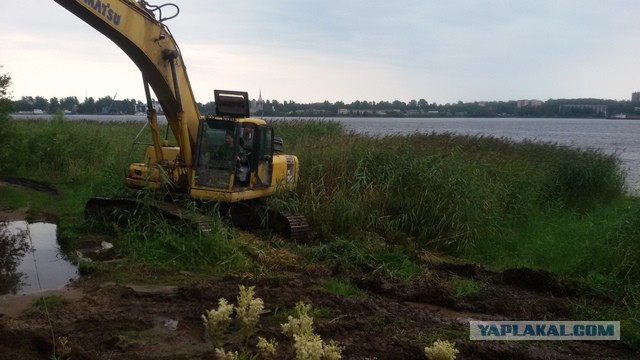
pixel 345 50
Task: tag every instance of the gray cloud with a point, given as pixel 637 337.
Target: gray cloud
pixel 446 50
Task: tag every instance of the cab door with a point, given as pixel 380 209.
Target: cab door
pixel 262 155
pixel 214 156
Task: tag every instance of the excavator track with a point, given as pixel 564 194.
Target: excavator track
pixel 294 227
pixel 246 216
pixel 257 215
pixel 121 209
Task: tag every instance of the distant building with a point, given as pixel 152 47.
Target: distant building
pixel 528 103
pixel 635 96
pixel 140 108
pixel 256 106
pixel 596 109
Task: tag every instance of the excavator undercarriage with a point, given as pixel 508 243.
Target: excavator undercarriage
pixel 251 216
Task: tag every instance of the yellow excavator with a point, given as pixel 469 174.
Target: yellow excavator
pixel 228 158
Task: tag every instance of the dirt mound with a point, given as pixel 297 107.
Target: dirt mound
pixel 22 341
pixel 540 281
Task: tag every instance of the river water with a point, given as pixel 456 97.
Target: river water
pixel 612 136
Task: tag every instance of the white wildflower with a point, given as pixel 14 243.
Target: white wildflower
pixel 332 351
pixel 301 323
pixel 441 350
pixel 308 347
pixel 223 355
pixel 266 349
pixel 217 321
pixel 248 310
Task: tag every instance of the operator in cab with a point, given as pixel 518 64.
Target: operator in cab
pixel 239 159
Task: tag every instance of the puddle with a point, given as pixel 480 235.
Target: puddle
pixel 30 259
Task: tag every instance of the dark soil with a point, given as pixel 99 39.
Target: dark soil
pixel 394 321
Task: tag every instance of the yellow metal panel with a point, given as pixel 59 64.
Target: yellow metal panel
pixel 285 172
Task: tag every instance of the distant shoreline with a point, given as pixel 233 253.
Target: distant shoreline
pixel 161 118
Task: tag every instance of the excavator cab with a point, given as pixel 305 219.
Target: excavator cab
pixel 235 152
pixel 234 155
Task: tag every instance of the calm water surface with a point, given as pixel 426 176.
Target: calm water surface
pixel 39 265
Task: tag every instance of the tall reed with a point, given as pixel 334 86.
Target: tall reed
pixel 439 190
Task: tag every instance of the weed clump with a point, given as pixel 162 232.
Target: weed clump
pixel 441 350
pixel 306 345
pixel 266 348
pixel 217 322
pixel 62 349
pixel 248 311
pixel 300 323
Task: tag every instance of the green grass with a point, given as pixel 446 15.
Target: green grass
pixel 467 289
pixel 368 197
pixel 599 247
pixel 157 243
pixel 15 198
pixel 343 288
pixel 48 303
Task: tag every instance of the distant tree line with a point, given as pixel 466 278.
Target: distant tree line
pixel 421 108
pixel 71 104
pixel 413 108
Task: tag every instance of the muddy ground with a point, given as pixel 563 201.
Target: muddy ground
pixel 391 320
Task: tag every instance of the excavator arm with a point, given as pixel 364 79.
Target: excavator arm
pixel 138 29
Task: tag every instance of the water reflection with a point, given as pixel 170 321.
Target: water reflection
pixel 13 247
pixel 30 259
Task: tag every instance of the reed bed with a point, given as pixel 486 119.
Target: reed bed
pixel 490 200
pixel 441 190
pixel 374 202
